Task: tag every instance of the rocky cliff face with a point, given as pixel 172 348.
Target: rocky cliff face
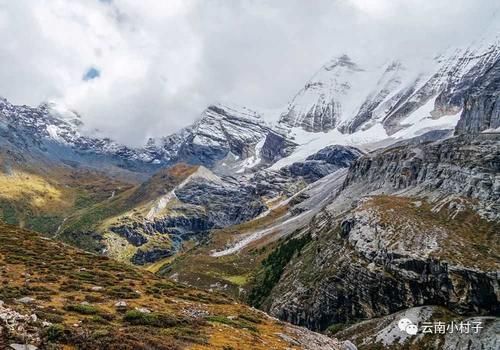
pixel 276 146
pixel 482 105
pixel 341 287
pixel 464 166
pixel 423 234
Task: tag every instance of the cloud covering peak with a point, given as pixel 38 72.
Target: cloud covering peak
pixel 135 69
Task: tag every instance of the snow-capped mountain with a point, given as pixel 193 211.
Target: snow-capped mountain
pixel 53 131
pixel 222 133
pixel 350 97
pixel 322 103
pixel 363 104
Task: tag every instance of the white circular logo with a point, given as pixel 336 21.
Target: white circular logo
pixel 406 325
pixel 403 323
pixel 412 329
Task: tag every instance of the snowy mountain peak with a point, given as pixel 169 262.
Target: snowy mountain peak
pixel 345 102
pixel 231 111
pixel 343 61
pixel 226 129
pixel 219 123
pixel 351 97
pixel 48 120
pixel 368 104
pixel 333 95
pixel 62 112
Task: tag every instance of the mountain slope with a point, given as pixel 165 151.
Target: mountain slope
pixel 152 220
pixel 55 296
pixel 40 195
pixel 46 133
pixel 412 226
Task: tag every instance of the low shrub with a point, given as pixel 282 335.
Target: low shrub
pixel 55 332
pixel 82 309
pixel 135 317
pixel 121 292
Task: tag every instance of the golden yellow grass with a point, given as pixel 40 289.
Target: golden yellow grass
pixel 41 194
pixel 57 275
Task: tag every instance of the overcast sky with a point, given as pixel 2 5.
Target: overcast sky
pixel 135 69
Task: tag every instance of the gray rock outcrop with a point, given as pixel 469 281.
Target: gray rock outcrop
pixel 482 104
pixel 322 163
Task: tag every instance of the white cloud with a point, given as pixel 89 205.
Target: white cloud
pixel 162 62
pixel 375 8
